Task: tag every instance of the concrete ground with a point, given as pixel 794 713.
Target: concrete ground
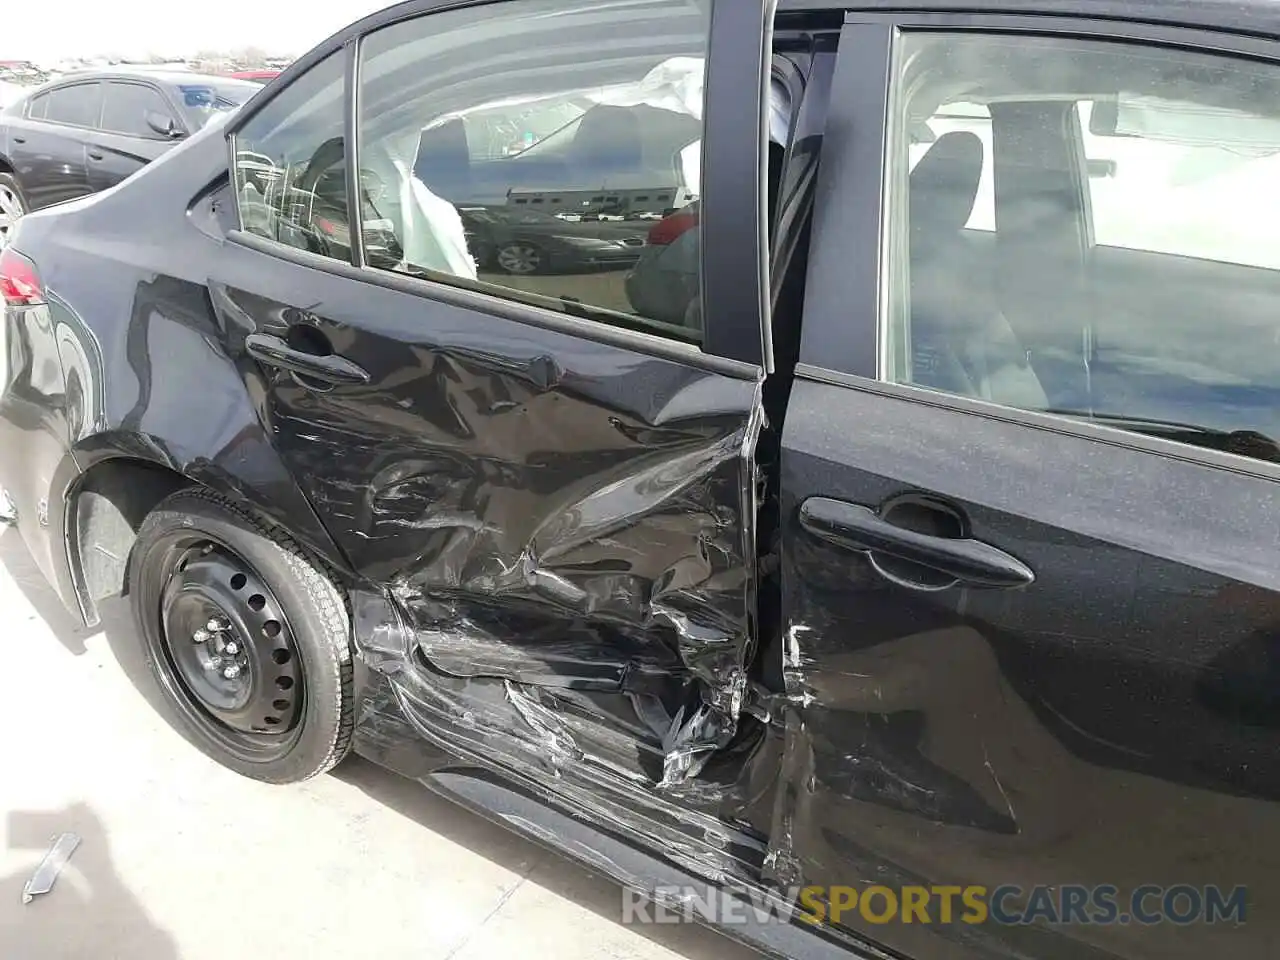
pixel 181 859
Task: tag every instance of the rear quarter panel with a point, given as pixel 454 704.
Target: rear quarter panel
pixel 148 371
pixel 34 444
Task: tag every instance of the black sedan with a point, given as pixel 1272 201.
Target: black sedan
pixel 88 131
pixel 522 242
pixel 895 552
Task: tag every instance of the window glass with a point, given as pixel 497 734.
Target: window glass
pixel 79 105
pixel 37 107
pixel 544 152
pixel 1167 193
pixel 126 106
pixel 202 102
pixel 290 166
pixel 973 117
pixel 1132 272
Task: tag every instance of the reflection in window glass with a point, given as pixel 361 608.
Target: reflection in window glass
pixel 1126 289
pixel 568 178
pixel 290 170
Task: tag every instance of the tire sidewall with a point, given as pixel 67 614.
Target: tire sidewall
pixel 10 181
pixel 318 623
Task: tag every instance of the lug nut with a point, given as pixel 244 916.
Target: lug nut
pixel 231 648
pixel 213 626
pixel 231 672
pixel 200 636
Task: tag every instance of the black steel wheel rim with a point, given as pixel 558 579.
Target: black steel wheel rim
pixel 231 661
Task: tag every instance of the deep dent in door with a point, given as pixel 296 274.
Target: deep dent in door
pixel 603 623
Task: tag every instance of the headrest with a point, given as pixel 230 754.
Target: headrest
pixel 944 185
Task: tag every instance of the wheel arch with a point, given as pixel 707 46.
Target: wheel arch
pixel 105 508
pixel 122 480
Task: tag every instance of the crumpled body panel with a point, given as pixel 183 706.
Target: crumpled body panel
pixel 634 578
pixel 546 512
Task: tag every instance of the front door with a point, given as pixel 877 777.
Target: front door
pixel 553 485
pixel 1032 536
pixel 124 142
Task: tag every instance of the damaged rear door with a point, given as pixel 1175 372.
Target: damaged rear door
pixel 534 444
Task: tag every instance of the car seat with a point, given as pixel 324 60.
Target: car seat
pixel 443 163
pixel 608 142
pixel 960 341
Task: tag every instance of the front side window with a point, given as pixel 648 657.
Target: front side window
pixel 289 164
pixel 79 105
pixel 126 108
pixel 1087 228
pixel 543 152
pixel 201 103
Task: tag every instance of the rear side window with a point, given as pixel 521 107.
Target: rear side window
pixel 126 106
pixel 541 151
pixel 1125 266
pixel 79 105
pixel 37 107
pixel 290 166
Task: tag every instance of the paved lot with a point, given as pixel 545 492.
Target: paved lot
pixel 182 859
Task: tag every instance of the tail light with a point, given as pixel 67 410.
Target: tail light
pixel 670 229
pixel 19 282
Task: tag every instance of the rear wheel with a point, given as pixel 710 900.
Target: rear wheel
pixel 246 637
pixel 11 206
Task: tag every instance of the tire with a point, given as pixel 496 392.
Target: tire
pixel 520 259
pixel 285 621
pixel 10 193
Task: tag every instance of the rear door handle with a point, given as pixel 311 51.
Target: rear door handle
pixel 94 155
pixel 859 528
pixel 18 139
pixel 329 367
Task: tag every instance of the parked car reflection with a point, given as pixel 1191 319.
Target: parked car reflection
pixel 665 282
pixel 518 241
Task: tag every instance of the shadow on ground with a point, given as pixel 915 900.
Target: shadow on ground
pixel 15 558
pixel 560 876
pixel 66 626
pixel 89 905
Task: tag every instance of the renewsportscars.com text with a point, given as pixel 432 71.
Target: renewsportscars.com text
pixel 1104 904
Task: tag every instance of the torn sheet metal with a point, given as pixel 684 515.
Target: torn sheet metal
pixel 50 867
pixel 597 755
pixel 635 582
pixel 583 524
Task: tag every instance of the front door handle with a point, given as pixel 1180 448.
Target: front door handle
pixel 17 139
pixel 95 155
pixel 859 528
pixel 329 367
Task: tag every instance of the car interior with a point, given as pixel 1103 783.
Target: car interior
pixel 1035 313
pixel 609 146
